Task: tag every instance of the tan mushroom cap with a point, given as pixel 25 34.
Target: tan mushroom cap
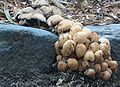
pixel 95 37
pixel 113 65
pixel 94 46
pixel 98 56
pixel 59 58
pixel 104 66
pixel 72 64
pixel 39 16
pixel 88 31
pixel 74 29
pixel 89 55
pixel 26 15
pixel 80 50
pixel 57 47
pixel 46 9
pixel 80 37
pixel 62 66
pixel 105 41
pixel 85 65
pixel 63 38
pixel 56 10
pixel 105 49
pixel 27 10
pixel 55 19
pixel 106 75
pixel 68 49
pixel 97 68
pixel 90 73
pixel 64 25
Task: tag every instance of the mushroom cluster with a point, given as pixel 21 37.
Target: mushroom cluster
pixel 78 48
pixel 36 15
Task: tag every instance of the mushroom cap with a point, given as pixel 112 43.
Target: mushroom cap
pixel 74 29
pixel 38 10
pixel 94 46
pixel 27 10
pixel 26 15
pixel 89 55
pixel 88 31
pixel 55 19
pixel 105 49
pixel 46 9
pixel 105 41
pixel 57 47
pixel 109 70
pixel 56 10
pixel 85 65
pixel 113 65
pixel 63 38
pixel 68 49
pixel 87 43
pixel 62 66
pixel 72 64
pixel 64 25
pixel 80 37
pixel 97 67
pixel 94 37
pixel 98 56
pixel 80 50
pixel 71 42
pixel 59 58
pixel 78 23
pixel 39 17
pixel 90 73
pixel 106 75
pixel 104 66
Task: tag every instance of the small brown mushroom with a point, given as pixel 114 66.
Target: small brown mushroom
pixel 104 66
pixel 105 41
pixel 59 58
pixel 56 10
pixel 27 10
pixel 87 43
pixel 46 9
pixel 72 64
pixel 90 73
pixel 80 50
pixel 109 70
pixel 98 56
pixel 94 37
pixel 89 55
pixel 80 37
pixel 74 29
pixel 57 48
pixel 62 66
pixel 88 31
pixel 55 19
pixel 113 65
pixel 63 38
pixel 94 46
pixel 78 23
pixel 106 75
pixel 68 48
pixel 64 26
pixel 97 68
pixel 105 49
pixel 85 65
